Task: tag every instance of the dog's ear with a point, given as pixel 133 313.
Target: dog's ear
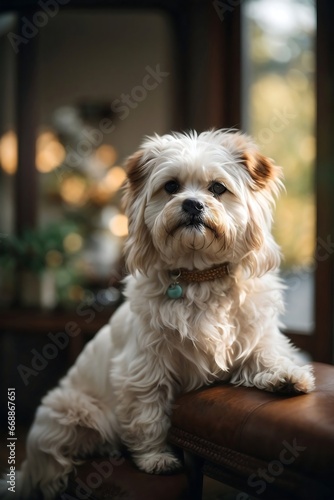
pixel 139 250
pixel 261 169
pixel 136 171
pixel 264 184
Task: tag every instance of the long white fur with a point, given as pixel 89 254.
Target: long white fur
pixel 122 387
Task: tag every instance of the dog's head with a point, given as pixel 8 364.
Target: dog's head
pixel 197 200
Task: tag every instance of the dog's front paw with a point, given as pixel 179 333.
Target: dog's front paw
pixel 298 379
pixel 157 462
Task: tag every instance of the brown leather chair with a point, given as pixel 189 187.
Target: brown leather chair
pixel 271 446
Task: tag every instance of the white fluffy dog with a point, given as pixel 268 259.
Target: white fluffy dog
pixel 203 301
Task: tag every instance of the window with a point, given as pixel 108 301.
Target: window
pixel 279 112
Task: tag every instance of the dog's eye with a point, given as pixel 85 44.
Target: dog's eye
pixel 217 188
pixel 172 187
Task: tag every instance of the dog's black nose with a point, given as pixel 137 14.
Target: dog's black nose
pixel 193 207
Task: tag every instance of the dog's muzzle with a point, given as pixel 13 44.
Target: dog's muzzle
pixel 193 217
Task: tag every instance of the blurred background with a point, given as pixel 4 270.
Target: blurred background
pixel 97 95
pixel 81 83
pixel 91 111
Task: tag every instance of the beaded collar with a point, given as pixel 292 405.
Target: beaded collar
pixel 175 290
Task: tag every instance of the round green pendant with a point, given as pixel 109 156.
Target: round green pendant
pixel 174 291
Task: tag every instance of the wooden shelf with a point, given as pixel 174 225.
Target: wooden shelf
pixel 88 319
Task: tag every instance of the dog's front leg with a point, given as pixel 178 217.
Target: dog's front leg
pixel 143 416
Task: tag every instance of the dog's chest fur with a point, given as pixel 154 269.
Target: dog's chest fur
pixel 194 334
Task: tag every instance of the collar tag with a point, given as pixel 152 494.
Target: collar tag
pixel 175 290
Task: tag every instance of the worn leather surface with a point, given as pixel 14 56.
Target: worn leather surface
pixel 244 429
pixel 104 478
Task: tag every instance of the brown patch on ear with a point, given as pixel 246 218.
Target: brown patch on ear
pixel 135 169
pixel 136 175
pixel 261 168
pixel 138 248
